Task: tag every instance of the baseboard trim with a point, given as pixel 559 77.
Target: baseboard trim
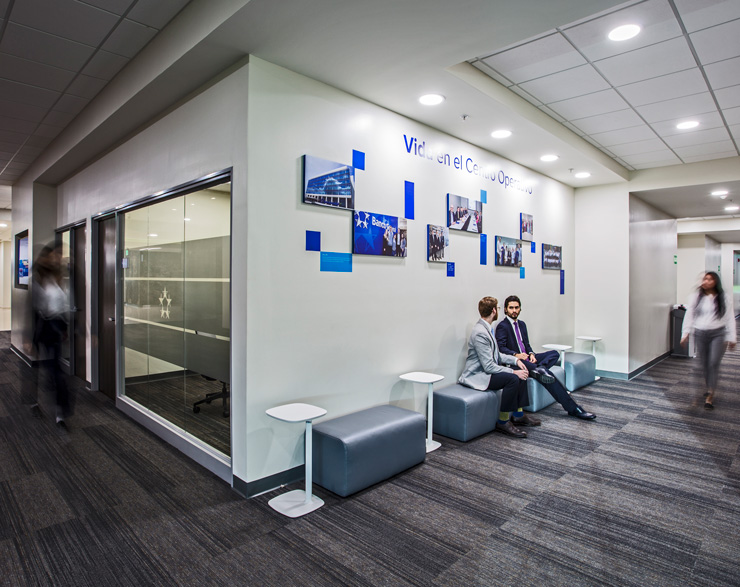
pixel 647 366
pixel 23 356
pixel 611 375
pixel 260 486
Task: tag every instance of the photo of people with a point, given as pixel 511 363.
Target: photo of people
pixel 379 234
pixel 464 215
pixel 552 257
pixel 328 183
pixel 508 252
pixel 438 239
pixel 526 227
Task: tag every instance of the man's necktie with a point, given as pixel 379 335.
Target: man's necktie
pixel 519 338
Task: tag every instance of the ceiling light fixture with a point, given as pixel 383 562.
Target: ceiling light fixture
pixel 431 99
pixel 3 225
pixel 548 158
pixel 583 174
pixel 732 208
pixel 624 32
pixel 501 134
pixel 720 193
pixel 687 124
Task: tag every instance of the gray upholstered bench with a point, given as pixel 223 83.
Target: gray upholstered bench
pixel 463 413
pixel 580 370
pixel 358 450
pixel 539 397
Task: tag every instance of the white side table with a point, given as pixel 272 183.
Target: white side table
pixel 593 340
pixel 561 348
pixel 431 379
pixel 298 502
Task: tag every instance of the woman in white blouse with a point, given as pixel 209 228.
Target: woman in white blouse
pixel 710 317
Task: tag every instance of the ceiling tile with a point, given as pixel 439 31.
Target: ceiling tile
pixel 24 158
pixel 735 131
pixel 25 94
pixel 71 104
pixel 678 107
pixel 724 73
pixel 590 105
pixel 68 19
pixel 490 73
pixel 566 84
pixel 12 138
pixel 624 135
pixel 129 38
pixel 573 128
pixel 57 118
pixel 33 73
pixel 665 87
pixel 22 111
pixel 34 45
pixel 105 65
pixel 539 58
pixel 156 13
pixel 728 97
pixel 705 149
pixel 705 13
pixel 551 113
pixel 654 16
pixel 732 115
pixel 648 62
pixel 526 95
pixel 707 120
pixel 30 152
pixel 697 137
pixel 652 157
pixel 6 147
pixel 86 86
pixel 654 164
pixel 3 6
pixel 38 141
pixel 47 130
pixel 709 156
pixel 638 147
pixel 610 121
pixel 717 43
pixel 116 6
pixel 17 124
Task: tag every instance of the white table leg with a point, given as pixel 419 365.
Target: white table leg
pixel 593 352
pixel 431 444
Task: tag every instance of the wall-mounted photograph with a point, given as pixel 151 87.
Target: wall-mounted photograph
pixel 464 214
pixel 552 257
pixel 526 227
pixel 508 252
pixel 327 183
pixel 438 241
pixel 379 234
pixel 22 259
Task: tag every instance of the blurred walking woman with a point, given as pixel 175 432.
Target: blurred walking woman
pixel 710 317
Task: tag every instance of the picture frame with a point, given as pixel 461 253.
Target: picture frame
pixel 508 251
pixel 526 227
pixel 438 243
pixel 552 257
pixel 22 260
pixel 379 234
pixel 464 215
pixel 328 183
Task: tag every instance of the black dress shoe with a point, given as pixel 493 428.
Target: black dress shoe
pixel 579 412
pixel 541 375
pixel 511 430
pixel 526 420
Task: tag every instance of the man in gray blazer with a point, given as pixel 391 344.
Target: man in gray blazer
pixel 487 369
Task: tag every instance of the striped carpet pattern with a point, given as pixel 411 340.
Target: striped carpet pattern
pixel 648 494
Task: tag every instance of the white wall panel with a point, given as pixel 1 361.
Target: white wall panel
pixel 691 261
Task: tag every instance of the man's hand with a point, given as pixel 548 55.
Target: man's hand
pixel 522 356
pixel 685 340
pixel 522 374
pixel 532 358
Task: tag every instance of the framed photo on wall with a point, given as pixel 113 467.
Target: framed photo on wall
pixel 378 234
pixel 526 227
pixel 552 257
pixel 327 183
pixel 508 252
pixel 438 242
pixel 464 215
pixel 22 259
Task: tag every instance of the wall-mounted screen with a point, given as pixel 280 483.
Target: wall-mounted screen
pixel 552 257
pixel 464 214
pixel 327 183
pixel 438 241
pixel 23 262
pixel 526 227
pixel 378 234
pixel 508 252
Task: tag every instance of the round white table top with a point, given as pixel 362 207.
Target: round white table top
pixel 591 338
pixel 296 412
pixel 421 377
pixel 557 347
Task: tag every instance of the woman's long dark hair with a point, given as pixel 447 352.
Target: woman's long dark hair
pixel 719 299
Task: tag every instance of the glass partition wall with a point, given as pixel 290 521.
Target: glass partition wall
pixel 177 310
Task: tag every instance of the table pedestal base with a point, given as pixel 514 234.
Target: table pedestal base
pixel 433 445
pixel 293 504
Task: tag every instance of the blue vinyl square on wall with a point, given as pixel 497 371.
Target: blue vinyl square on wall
pixel 408 192
pixel 450 270
pixel 534 247
pixel 562 282
pixel 336 262
pixel 313 240
pixel 484 196
pixel 483 249
pixel 358 160
pixel 521 272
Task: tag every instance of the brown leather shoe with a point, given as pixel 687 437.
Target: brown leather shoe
pixel 511 430
pixel 526 420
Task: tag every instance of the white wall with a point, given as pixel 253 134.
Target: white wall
pixel 652 282
pixel 691 265
pixel 727 273
pixel 340 340
pixel 6 279
pixel 712 255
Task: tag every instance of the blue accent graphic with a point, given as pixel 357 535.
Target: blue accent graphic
pixel 336 262
pixel 483 249
pixel 408 190
pixel 521 272
pixel 534 247
pixel 358 160
pixel 450 270
pixel 562 282
pixel 484 196
pixel 313 240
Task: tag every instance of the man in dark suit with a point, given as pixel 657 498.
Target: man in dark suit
pixel 513 339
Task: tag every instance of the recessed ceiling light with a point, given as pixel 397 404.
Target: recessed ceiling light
pixel 624 32
pixel 153 235
pixel 583 174
pixel 549 158
pixel 213 198
pixel 3 225
pixel 687 124
pixel 720 193
pixel 186 219
pixel 431 99
pixel 501 134
pixel 732 208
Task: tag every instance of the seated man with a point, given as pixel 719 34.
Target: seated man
pixel 512 338
pixel 486 369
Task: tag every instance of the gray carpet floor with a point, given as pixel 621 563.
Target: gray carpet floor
pixel 648 494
